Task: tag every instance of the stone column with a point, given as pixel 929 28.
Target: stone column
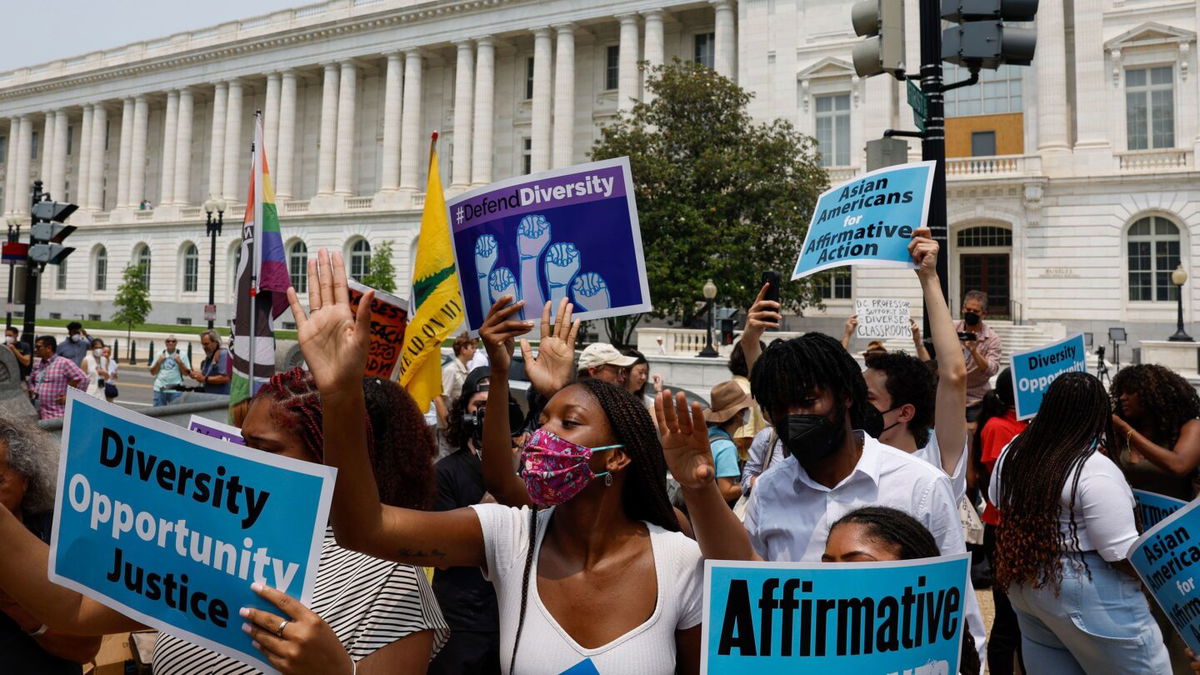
pixel 170 133
pixel 58 165
pixel 85 155
pixel 564 97
pixel 137 153
pixel 22 194
pixel 464 86
pixel 183 147
pixel 125 154
pixel 346 114
pixel 230 180
pixel 287 136
pixel 216 146
pixel 1092 83
pixel 96 172
pixel 327 144
pixel 539 150
pixel 1051 64
pixel 10 165
pixel 627 69
pixel 655 54
pixel 393 97
pixel 410 137
pixel 725 55
pixel 271 120
pixel 485 103
pixel 47 149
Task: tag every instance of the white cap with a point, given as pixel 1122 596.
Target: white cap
pixel 602 354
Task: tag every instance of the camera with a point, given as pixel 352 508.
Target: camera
pixel 473 422
pixel 967 336
pixel 180 387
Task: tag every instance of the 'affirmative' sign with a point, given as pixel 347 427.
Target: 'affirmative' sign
pixel 1166 558
pixel 868 221
pixel 890 617
pixel 170 527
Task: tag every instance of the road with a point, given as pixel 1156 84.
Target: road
pixel 136 385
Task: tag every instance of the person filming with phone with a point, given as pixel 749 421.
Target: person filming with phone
pixel 981 350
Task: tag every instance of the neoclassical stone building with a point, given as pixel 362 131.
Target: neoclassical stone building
pixel 1074 184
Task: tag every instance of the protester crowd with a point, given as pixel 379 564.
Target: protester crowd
pixel 574 529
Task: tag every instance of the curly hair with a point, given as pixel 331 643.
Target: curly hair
pixel 1167 398
pixel 399 442
pixel 33 454
pixel 909 381
pixel 1072 423
pixel 789 369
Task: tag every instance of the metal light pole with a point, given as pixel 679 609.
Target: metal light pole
pixel 212 227
pixel 710 292
pixel 1179 277
pixel 14 236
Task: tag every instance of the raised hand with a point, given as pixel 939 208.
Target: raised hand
pixel 500 330
pixel 763 314
pixel 555 363
pixel 333 341
pixel 486 253
pixel 533 236
pixel 562 264
pixel 591 293
pixel 684 440
pixel 924 251
pixel 851 324
pixel 502 282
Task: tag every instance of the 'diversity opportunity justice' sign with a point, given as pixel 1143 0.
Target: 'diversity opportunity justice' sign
pixel 567 233
pixel 886 617
pixel 171 527
pixel 868 221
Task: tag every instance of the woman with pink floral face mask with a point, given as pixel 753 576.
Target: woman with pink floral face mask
pixel 598 579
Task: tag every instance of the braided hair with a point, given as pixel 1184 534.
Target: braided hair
pixel 1167 398
pixel 893 528
pixel 644 495
pixel 1071 424
pixel 789 369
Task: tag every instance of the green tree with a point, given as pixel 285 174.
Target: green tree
pixel 132 301
pixel 381 274
pixel 719 195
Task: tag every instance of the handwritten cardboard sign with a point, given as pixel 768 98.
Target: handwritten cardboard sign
pixel 882 318
pixel 389 319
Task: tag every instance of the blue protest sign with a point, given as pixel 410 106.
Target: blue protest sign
pixel 570 232
pixel 1163 557
pixel 1033 371
pixel 868 221
pixel 1153 507
pixel 170 527
pixel 888 617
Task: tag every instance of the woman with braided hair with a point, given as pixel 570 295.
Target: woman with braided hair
pixel 367 615
pixel 600 579
pixel 1064 537
pixel 1157 417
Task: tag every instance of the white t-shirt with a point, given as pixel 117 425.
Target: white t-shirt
pixel 545 647
pixel 932 453
pixel 1103 508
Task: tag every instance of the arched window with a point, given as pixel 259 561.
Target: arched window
pixel 101 268
pixel 141 258
pixel 298 266
pixel 191 269
pixel 360 259
pixel 1153 253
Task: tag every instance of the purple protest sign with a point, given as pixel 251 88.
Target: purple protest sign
pixel 216 430
pixel 570 233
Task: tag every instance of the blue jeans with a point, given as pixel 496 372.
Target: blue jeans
pixel 162 398
pixel 1097 625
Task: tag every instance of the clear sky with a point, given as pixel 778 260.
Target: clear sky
pixel 55 29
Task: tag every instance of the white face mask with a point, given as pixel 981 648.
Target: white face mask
pixel 98 352
pixel 8 339
pixel 76 337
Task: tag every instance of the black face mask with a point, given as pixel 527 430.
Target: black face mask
pixel 971 318
pixel 811 437
pixel 875 415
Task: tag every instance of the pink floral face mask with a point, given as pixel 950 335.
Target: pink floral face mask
pixel 555 469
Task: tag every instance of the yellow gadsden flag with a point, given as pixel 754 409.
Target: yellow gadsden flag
pixel 435 295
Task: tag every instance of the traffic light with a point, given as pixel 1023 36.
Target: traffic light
pixel 882 23
pixel 981 40
pixel 48 232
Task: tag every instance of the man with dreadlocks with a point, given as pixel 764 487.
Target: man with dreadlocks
pixel 816 396
pixel 1158 417
pixel 1064 537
